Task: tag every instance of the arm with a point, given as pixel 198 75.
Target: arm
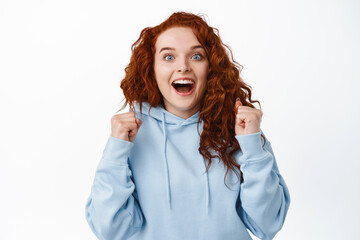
pixel 111 209
pixel 264 196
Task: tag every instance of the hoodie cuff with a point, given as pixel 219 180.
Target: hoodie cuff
pixel 117 150
pixel 251 144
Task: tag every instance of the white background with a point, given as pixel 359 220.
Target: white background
pixel 61 63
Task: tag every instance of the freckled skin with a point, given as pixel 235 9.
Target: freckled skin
pixel 182 60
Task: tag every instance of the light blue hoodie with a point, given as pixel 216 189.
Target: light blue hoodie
pixel 156 188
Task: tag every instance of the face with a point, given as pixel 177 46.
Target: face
pixel 181 70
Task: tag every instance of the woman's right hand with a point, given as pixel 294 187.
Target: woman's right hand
pixel 125 126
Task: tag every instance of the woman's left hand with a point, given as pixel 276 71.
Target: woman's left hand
pixel 247 120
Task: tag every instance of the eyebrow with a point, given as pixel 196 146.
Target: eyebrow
pixel 172 49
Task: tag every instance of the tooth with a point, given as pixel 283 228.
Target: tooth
pixel 183 81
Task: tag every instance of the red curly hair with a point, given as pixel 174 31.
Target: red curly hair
pixel 224 85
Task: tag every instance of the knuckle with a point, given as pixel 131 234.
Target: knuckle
pixel 113 118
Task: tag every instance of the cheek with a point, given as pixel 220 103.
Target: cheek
pixel 203 74
pixel 161 77
pixel 156 68
pixel 202 88
pixel 205 70
pixel 161 71
pixel 201 85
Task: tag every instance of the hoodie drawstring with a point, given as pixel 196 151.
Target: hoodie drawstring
pixel 207 189
pixel 207 186
pixel 166 163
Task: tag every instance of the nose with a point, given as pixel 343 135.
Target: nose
pixel 183 66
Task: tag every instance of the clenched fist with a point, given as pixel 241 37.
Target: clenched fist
pixel 125 126
pixel 247 119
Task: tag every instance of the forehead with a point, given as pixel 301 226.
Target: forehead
pixel 177 37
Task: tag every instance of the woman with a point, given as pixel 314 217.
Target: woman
pixel 171 165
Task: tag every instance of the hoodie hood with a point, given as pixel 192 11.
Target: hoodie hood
pixel 167 118
pixel 160 112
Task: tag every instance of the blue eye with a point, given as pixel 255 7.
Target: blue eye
pixel 168 57
pixel 197 57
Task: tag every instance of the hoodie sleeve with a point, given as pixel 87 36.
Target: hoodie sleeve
pixel 264 195
pixel 111 210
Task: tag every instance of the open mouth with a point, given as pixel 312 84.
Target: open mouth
pixel 183 86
